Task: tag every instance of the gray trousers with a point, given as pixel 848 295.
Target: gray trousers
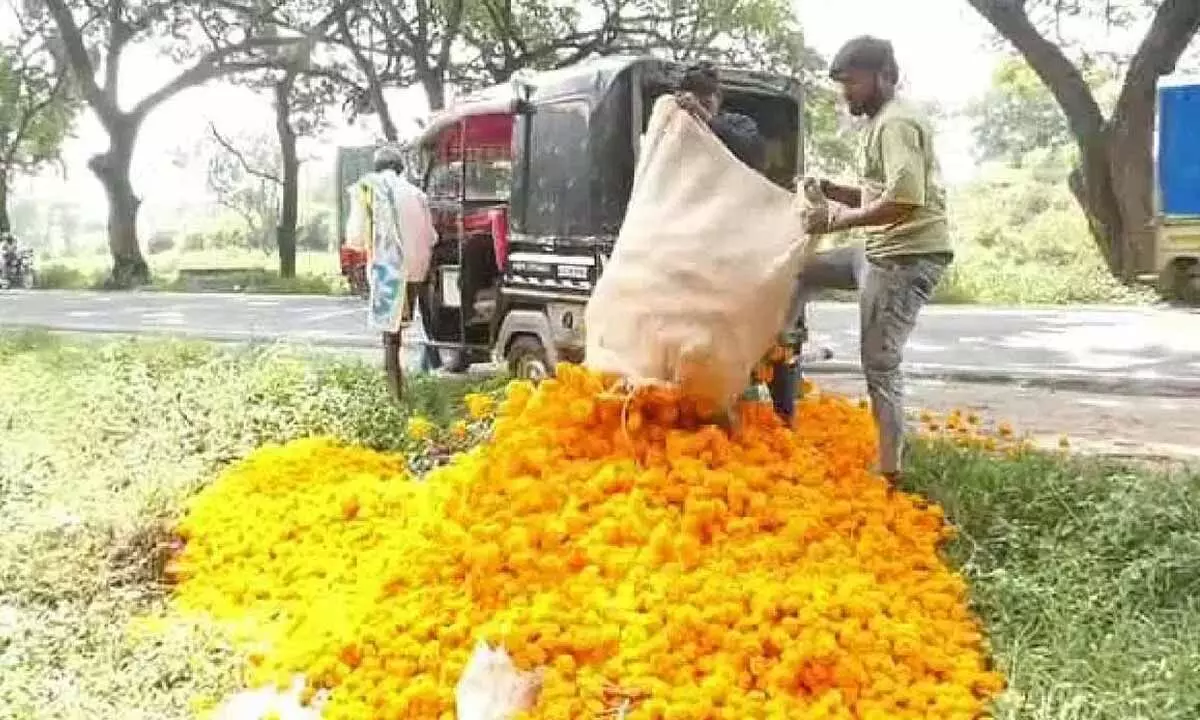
pixel 892 292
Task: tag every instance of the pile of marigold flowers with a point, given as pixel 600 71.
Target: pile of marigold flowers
pixel 637 553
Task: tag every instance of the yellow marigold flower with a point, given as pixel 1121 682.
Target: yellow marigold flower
pixel 479 406
pixel 636 553
pixel 419 428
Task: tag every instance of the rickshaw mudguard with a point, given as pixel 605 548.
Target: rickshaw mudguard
pixel 519 322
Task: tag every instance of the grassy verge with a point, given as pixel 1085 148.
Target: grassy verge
pixel 99 445
pixel 1087 574
pixel 237 271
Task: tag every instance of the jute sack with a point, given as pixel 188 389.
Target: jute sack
pixel 704 266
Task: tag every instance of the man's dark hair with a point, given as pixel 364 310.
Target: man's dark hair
pixel 866 53
pixel 701 80
pixel 389 157
pixel 396 166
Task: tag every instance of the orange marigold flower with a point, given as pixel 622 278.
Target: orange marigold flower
pixel 637 553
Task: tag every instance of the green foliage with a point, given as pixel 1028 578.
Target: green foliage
pixel 103 444
pixel 36 110
pixel 161 242
pixel 245 174
pixel 255 280
pixel 830 142
pixel 57 276
pixel 1020 238
pixel 1086 575
pixel 1017 116
pixel 316 234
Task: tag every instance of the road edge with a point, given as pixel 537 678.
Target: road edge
pixel 1097 382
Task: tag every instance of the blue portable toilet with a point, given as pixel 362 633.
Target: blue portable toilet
pixel 1177 162
pixel 1179 149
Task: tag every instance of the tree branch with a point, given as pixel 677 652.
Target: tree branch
pixel 28 117
pixel 81 64
pixel 118 36
pixel 230 148
pixel 212 66
pixel 1060 76
pixel 1175 24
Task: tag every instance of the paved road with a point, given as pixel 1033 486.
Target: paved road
pixel 1151 351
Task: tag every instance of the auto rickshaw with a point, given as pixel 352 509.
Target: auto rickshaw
pixel 528 184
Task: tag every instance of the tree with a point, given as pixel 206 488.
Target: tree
pixel 502 37
pixel 212 34
pixel 1016 116
pixel 37 108
pixel 246 176
pixel 300 91
pixel 764 34
pixel 1113 182
pixel 397 44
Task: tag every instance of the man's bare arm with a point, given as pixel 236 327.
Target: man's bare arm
pixel 844 194
pixel 880 213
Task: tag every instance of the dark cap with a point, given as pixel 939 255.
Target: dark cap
pixel 866 53
pixel 701 79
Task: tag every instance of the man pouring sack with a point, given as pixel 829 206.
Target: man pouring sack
pixel 700 95
pixel 902 200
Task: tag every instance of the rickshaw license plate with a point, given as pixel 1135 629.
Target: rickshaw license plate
pixel 451 294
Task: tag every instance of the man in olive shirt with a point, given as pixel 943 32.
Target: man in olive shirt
pixel 902 200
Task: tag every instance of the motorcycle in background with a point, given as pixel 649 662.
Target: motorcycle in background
pixel 16 265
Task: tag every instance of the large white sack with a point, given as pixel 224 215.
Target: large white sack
pixel 704 267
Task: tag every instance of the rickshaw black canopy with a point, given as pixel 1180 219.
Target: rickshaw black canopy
pixel 574 146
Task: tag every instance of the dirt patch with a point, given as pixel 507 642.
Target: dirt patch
pixel 1145 428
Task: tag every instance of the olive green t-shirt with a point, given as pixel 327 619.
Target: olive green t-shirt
pixel 898 163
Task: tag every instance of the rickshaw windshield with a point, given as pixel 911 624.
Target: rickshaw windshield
pixel 479 169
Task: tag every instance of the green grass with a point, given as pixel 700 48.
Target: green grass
pixel 100 443
pixel 243 271
pixel 1087 574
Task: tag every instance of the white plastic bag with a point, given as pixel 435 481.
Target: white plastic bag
pixel 271 703
pixel 698 285
pixel 492 688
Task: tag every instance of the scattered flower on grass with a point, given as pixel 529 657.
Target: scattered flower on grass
pixel 637 553
pixel 965 429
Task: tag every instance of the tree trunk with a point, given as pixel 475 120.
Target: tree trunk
pixel 1092 185
pixel 112 169
pixel 1115 183
pixel 434 84
pixel 5 225
pixel 383 111
pixel 1114 188
pixel 285 235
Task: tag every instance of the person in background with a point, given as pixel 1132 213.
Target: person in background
pixel 390 221
pixel 902 200
pixel 8 250
pixel 700 94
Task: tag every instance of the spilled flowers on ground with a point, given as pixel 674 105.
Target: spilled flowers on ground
pixel 636 559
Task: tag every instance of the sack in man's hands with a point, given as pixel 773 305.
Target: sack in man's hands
pixel 704 267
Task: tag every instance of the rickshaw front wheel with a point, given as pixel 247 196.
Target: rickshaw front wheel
pixel 527 359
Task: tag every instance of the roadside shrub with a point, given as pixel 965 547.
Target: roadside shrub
pixel 56 276
pixel 161 242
